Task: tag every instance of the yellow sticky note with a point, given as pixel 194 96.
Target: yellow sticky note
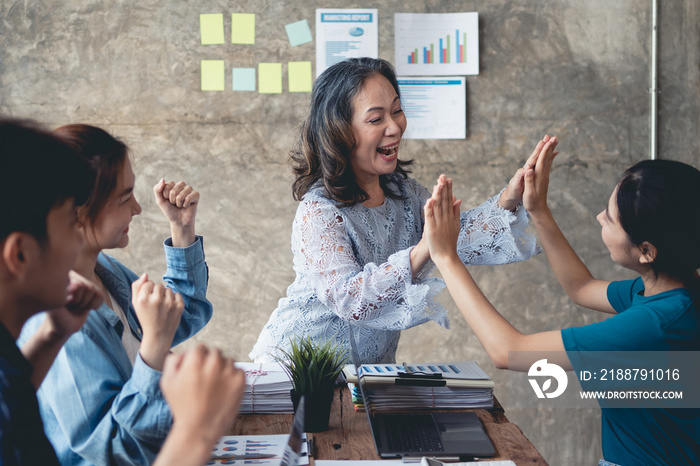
pixel 270 78
pixel 243 28
pixel 211 28
pixel 213 75
pixel 299 76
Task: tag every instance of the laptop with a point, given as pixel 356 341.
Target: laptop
pixel 416 434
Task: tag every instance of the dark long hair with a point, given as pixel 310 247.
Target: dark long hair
pixel 657 202
pixel 105 156
pixel 322 152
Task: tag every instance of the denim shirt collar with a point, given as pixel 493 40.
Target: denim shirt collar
pixel 117 285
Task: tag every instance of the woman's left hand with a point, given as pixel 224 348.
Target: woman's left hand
pixel 178 201
pixel 513 194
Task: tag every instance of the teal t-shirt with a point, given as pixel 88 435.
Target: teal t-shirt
pixel 667 321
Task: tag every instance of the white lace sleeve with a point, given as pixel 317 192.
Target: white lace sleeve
pixel 372 295
pixel 491 235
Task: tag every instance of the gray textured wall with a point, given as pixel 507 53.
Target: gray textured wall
pixel 575 69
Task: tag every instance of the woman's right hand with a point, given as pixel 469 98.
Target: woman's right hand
pixel 442 221
pixel 159 310
pixel 537 179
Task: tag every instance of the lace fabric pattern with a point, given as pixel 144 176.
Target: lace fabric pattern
pixel 352 265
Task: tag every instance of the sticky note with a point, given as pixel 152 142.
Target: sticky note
pixel 213 75
pixel 298 33
pixel 243 28
pixel 270 78
pixel 211 27
pixel 299 76
pixel 244 79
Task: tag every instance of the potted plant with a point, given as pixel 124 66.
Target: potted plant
pixel 313 369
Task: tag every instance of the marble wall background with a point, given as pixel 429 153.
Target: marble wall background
pixel 579 70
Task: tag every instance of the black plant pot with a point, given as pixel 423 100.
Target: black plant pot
pixel 317 409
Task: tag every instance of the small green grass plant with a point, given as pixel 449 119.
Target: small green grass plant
pixel 313 367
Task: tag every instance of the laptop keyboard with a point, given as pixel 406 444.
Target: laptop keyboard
pixel 412 433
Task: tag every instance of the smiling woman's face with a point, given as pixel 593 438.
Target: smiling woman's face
pixel 378 122
pixel 111 227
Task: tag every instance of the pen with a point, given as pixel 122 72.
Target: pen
pixel 247 456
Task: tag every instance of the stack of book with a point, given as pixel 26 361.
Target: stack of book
pixel 266 389
pixel 452 385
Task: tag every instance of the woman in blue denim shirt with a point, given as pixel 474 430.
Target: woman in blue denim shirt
pixel 101 402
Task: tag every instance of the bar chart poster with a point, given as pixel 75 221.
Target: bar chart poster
pixel 345 33
pixel 435 107
pixel 436 44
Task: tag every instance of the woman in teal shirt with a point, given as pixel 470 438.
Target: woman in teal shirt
pixel 651 226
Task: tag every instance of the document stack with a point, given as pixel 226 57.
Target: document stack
pixel 267 389
pixel 452 385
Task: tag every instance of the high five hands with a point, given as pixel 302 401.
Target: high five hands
pixel 442 221
pixel 513 194
pixel 530 183
pixel 178 201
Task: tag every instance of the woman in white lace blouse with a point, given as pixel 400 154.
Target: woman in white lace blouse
pixel 357 238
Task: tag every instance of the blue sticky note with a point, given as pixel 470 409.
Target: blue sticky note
pixel 299 33
pixel 244 79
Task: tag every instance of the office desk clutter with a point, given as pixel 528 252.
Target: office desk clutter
pixel 267 389
pixel 451 385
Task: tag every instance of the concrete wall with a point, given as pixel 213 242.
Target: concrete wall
pixel 579 70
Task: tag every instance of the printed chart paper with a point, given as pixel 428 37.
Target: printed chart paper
pixel 435 107
pixel 232 445
pixel 436 43
pixel 345 33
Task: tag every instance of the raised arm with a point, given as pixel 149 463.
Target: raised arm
pixel 494 332
pixel 178 201
pixel 496 231
pixel 572 274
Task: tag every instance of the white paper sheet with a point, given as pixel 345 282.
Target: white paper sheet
pixel 256 444
pixel 436 43
pixel 435 108
pixel 345 33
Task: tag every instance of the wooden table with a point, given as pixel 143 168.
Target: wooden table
pixel 349 436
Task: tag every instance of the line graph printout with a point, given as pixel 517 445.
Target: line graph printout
pixel 436 43
pixel 435 107
pixel 345 33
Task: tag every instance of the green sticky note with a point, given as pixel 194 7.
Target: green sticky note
pixel 298 33
pixel 211 28
pixel 299 76
pixel 270 78
pixel 243 28
pixel 213 75
pixel 244 79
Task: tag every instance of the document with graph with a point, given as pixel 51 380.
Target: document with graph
pixel 435 107
pixel 436 44
pixel 345 33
